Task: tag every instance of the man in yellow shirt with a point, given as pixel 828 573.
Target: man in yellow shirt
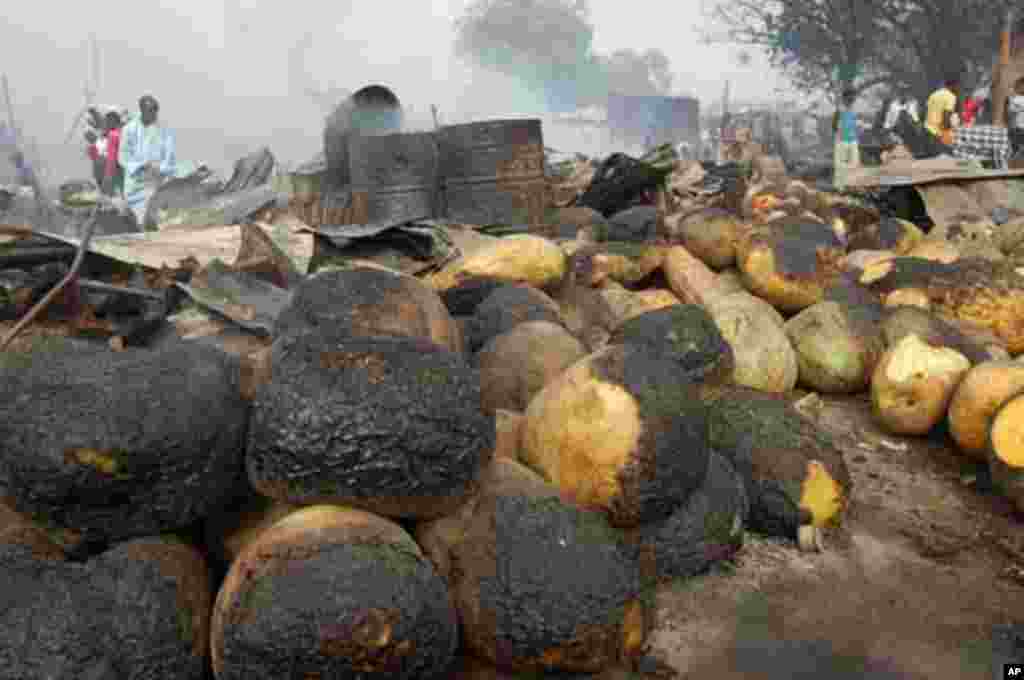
pixel 941 117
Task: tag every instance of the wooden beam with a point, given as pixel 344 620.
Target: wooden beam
pixel 1001 84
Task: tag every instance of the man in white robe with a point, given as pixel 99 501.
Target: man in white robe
pixel 147 156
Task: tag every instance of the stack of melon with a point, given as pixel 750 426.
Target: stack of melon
pixel 420 466
pixel 825 296
pixel 417 477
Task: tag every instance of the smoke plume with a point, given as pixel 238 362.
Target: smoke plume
pixel 547 45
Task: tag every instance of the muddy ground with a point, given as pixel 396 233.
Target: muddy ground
pixel 928 561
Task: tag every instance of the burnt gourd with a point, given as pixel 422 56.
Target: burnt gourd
pixel 541 586
pixel 116 445
pixel 795 474
pixel 704 531
pixel 391 425
pixel 686 334
pixel 369 302
pixel 140 610
pixel 506 308
pixel 621 431
pixel 333 592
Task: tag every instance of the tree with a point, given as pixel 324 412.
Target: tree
pixel 932 39
pixel 823 45
pixel 907 46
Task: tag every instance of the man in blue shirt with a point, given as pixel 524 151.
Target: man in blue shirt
pixel 847 149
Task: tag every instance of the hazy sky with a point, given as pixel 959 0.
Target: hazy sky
pixel 221 68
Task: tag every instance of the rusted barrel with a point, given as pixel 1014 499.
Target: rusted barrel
pixel 396 173
pixel 372 110
pixel 494 172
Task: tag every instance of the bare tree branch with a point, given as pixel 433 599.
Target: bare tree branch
pixel 906 45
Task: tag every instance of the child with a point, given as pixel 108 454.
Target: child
pixel 95 151
pixel 113 175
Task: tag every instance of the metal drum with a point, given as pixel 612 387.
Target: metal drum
pixel 494 172
pixel 397 174
pixel 373 110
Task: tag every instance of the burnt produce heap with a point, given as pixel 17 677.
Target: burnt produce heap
pixel 353 512
pixel 490 467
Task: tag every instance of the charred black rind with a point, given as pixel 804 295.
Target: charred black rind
pixel 760 433
pixel 964 275
pixel 309 601
pixel 503 310
pixel 706 530
pixel 684 333
pixel 344 302
pixel 466 296
pixel 68 620
pixel 546 572
pixel 885 234
pixel 934 331
pixel 408 427
pixel 175 418
pixel 796 243
pixel 671 459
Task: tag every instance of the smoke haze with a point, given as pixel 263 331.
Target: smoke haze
pixel 232 75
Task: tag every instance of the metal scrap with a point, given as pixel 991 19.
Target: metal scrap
pixel 244 298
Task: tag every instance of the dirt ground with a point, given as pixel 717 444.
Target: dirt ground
pixel 927 562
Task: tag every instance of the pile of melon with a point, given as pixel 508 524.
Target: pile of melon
pixel 821 293
pixel 423 476
pixel 486 469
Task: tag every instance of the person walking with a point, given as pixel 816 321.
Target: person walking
pixel 846 156
pixel 1015 119
pixel 113 173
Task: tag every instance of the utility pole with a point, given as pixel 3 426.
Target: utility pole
pixel 11 123
pixel 1002 85
pixel 724 123
pixel 92 82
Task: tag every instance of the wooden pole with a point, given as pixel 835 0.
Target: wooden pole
pixel 1001 78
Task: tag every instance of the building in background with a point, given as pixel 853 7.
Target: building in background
pixel 653 120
